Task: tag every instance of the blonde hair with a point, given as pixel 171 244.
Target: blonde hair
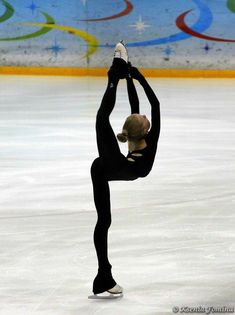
pixel 132 130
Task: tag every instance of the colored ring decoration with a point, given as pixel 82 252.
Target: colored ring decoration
pixel 126 11
pixel 231 5
pixel 45 29
pixel 203 23
pixel 8 13
pixel 180 22
pixel 90 39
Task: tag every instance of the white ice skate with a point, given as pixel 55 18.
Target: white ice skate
pixel 121 51
pixel 114 293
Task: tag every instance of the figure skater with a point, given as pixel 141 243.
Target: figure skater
pixel 112 164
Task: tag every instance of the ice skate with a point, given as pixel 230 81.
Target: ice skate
pixel 121 51
pixel 120 61
pixel 113 293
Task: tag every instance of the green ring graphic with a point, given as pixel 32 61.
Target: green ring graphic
pixel 8 13
pixel 46 27
pixel 42 31
pixel 231 5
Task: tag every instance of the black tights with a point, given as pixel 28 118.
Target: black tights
pixel 110 165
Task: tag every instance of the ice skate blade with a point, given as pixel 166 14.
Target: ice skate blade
pixel 105 296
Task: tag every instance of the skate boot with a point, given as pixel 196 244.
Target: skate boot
pixel 113 293
pixel 121 51
pixel 117 289
pixel 104 286
pixel 120 61
pixel 103 281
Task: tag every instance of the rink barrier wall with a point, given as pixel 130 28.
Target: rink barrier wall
pixel 174 73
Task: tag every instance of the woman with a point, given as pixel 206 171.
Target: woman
pixel 111 163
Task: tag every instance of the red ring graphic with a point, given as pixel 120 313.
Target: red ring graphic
pixel 126 11
pixel 183 27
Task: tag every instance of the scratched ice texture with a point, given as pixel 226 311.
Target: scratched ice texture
pixel 171 242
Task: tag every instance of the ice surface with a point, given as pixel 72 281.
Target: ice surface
pixel 172 236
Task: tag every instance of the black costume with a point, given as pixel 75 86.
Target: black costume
pixel 113 165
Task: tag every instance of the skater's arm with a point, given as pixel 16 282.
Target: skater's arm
pixel 133 97
pixel 155 107
pixel 153 100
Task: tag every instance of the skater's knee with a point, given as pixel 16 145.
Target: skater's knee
pixel 108 222
pixel 104 221
pixel 96 167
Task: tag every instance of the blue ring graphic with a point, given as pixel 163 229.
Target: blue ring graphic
pixel 203 23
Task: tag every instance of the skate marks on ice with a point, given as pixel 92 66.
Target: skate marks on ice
pixel 180 220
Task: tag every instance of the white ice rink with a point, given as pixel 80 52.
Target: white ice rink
pixel 172 240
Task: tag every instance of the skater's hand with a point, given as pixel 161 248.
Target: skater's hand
pixel 135 74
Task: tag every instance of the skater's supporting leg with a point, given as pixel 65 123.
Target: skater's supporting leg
pixel 102 203
pixel 104 279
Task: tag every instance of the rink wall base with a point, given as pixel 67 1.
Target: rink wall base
pixel 176 73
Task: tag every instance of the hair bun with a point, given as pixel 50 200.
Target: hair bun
pixel 122 137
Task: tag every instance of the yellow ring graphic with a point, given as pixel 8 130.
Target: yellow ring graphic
pixel 90 39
